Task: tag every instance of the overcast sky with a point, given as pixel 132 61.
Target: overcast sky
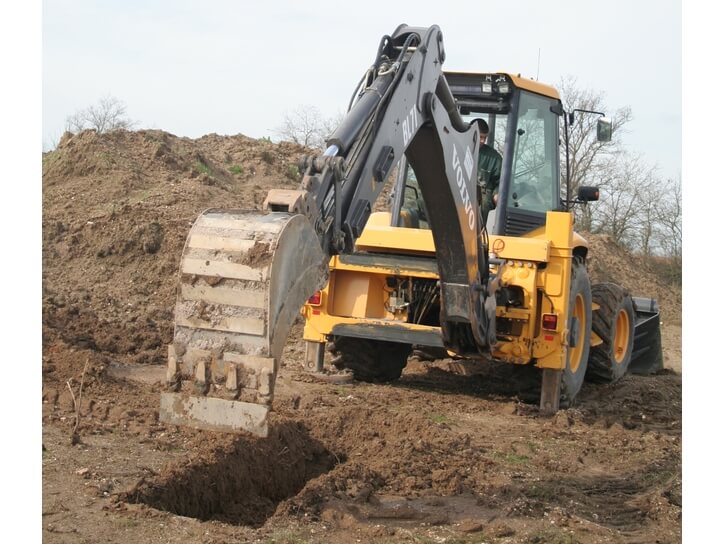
pixel 193 68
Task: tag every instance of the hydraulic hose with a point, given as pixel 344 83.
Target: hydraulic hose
pixel 443 92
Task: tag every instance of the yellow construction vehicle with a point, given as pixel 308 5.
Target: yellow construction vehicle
pixel 427 272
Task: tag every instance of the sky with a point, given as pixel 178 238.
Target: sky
pixel 228 67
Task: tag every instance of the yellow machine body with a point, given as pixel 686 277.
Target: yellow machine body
pixel 538 263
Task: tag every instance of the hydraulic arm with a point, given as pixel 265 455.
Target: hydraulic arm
pixel 245 275
pixel 404 105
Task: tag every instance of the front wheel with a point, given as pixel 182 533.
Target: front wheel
pixel 580 326
pixel 369 360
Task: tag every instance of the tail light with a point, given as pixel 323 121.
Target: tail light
pixel 549 321
pixel 316 299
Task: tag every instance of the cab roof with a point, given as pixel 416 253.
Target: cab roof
pixel 518 81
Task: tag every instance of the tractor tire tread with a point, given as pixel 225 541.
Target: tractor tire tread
pixel 375 361
pixel 611 298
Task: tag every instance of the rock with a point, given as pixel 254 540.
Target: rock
pixel 152 237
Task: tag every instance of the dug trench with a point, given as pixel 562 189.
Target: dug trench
pixel 241 482
pixel 424 452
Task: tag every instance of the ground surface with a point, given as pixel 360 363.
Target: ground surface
pixel 447 454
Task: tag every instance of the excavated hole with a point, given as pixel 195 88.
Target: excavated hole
pixel 239 483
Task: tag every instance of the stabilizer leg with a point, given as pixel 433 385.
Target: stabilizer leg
pixel 550 391
pixel 314 356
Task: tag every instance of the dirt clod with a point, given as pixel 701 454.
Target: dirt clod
pixel 258 256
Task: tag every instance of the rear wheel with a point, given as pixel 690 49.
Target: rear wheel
pixel 369 360
pixel 580 326
pixel 614 324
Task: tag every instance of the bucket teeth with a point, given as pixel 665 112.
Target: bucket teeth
pixel 232 384
pixel 173 373
pixel 201 383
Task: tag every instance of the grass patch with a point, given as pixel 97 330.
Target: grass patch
pixel 236 169
pixel 511 458
pixel 202 168
pixel 440 419
pixel 551 536
pixel 542 493
pixel 105 159
pixel 293 172
pixel 657 477
pixel 140 196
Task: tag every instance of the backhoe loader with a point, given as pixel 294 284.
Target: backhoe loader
pixel 426 273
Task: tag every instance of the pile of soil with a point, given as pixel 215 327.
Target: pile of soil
pixel 116 211
pixel 608 262
pixel 444 453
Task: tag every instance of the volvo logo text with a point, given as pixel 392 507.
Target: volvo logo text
pixel 463 189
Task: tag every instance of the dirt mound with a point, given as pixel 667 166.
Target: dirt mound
pixel 607 262
pixel 116 211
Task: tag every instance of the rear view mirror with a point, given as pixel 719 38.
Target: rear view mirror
pixel 587 193
pixel 604 130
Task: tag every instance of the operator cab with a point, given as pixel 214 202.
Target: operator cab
pixel 523 120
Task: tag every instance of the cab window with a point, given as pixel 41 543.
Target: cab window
pixel 533 183
pixel 412 212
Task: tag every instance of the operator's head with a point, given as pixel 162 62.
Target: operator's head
pixel 482 130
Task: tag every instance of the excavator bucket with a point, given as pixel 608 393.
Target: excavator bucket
pixel 647 350
pixel 243 278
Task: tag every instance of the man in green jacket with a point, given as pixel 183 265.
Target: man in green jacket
pixel 489 170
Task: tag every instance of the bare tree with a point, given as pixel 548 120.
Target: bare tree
pixel 107 115
pixel 626 194
pixel 669 219
pixel 669 235
pixel 330 124
pixel 306 126
pixel 589 159
pixel 647 226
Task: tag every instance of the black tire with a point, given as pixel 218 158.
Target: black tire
pixel 369 360
pixel 613 322
pixel 580 326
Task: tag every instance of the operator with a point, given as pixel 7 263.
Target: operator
pixel 489 170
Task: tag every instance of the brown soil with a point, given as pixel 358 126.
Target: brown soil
pixel 258 256
pixel 447 454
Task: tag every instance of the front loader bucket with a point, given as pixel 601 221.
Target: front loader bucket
pixel 647 350
pixel 244 277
